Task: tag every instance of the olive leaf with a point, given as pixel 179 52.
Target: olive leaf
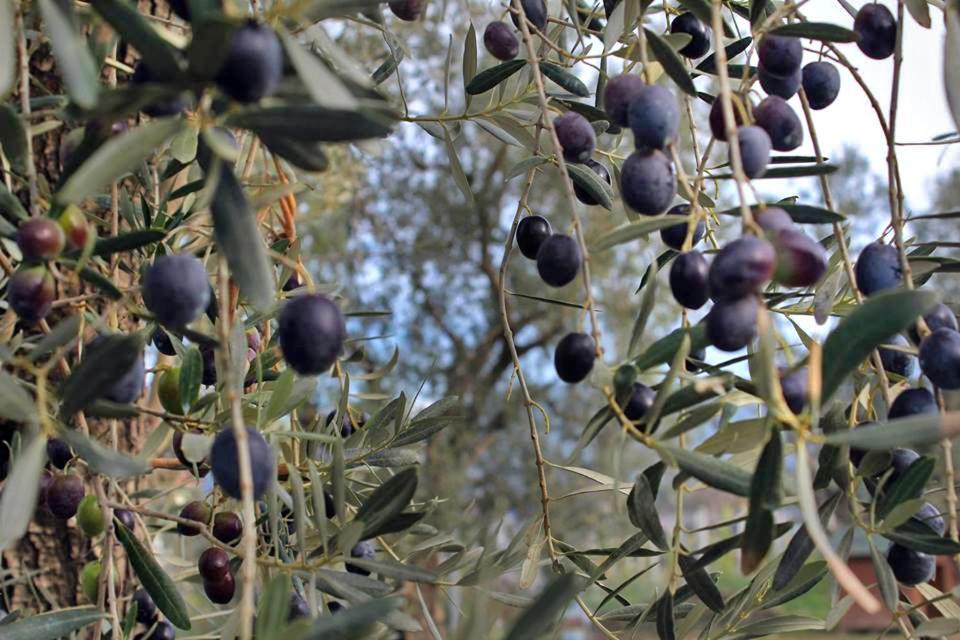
pixel 19 498
pixel 70 48
pixel 490 78
pixel 154 579
pixel 870 325
pixel 237 234
pixel 52 625
pixel 103 364
pixel 642 510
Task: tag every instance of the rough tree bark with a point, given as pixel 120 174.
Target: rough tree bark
pixel 42 570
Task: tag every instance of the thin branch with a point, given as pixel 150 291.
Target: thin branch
pixel 248 542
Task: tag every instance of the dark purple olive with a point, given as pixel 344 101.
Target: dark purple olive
pixel 741 268
pixel 877 29
pixel 732 325
pixel 500 41
pixel 801 260
pixel 688 280
pixel 574 357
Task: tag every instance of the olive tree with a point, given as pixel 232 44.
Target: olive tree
pixel 167 330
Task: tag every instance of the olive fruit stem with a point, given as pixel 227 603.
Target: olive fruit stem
pixel 729 122
pixel 840 235
pixel 567 181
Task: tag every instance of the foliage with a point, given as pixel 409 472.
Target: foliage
pixel 205 134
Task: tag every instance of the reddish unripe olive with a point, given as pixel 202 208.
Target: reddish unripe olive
pixel 227 527
pixel 196 511
pixel 220 591
pixel 40 239
pixel 213 564
pixel 76 229
pixel 801 260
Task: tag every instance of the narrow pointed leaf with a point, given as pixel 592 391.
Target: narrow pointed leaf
pixel 52 625
pixel 70 49
pixel 702 584
pixel 102 365
pixel 871 324
pixel 238 236
pixel 154 579
pixel 541 615
pixel 671 62
pixel 117 157
pixel 713 472
pixel 490 78
pixel 19 498
pixel 801 546
pixel 666 624
pixel 822 31
pixel 565 79
pixel 885 578
pixel 642 510
pixel 158 54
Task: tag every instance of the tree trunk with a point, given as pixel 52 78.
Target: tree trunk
pixel 42 570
